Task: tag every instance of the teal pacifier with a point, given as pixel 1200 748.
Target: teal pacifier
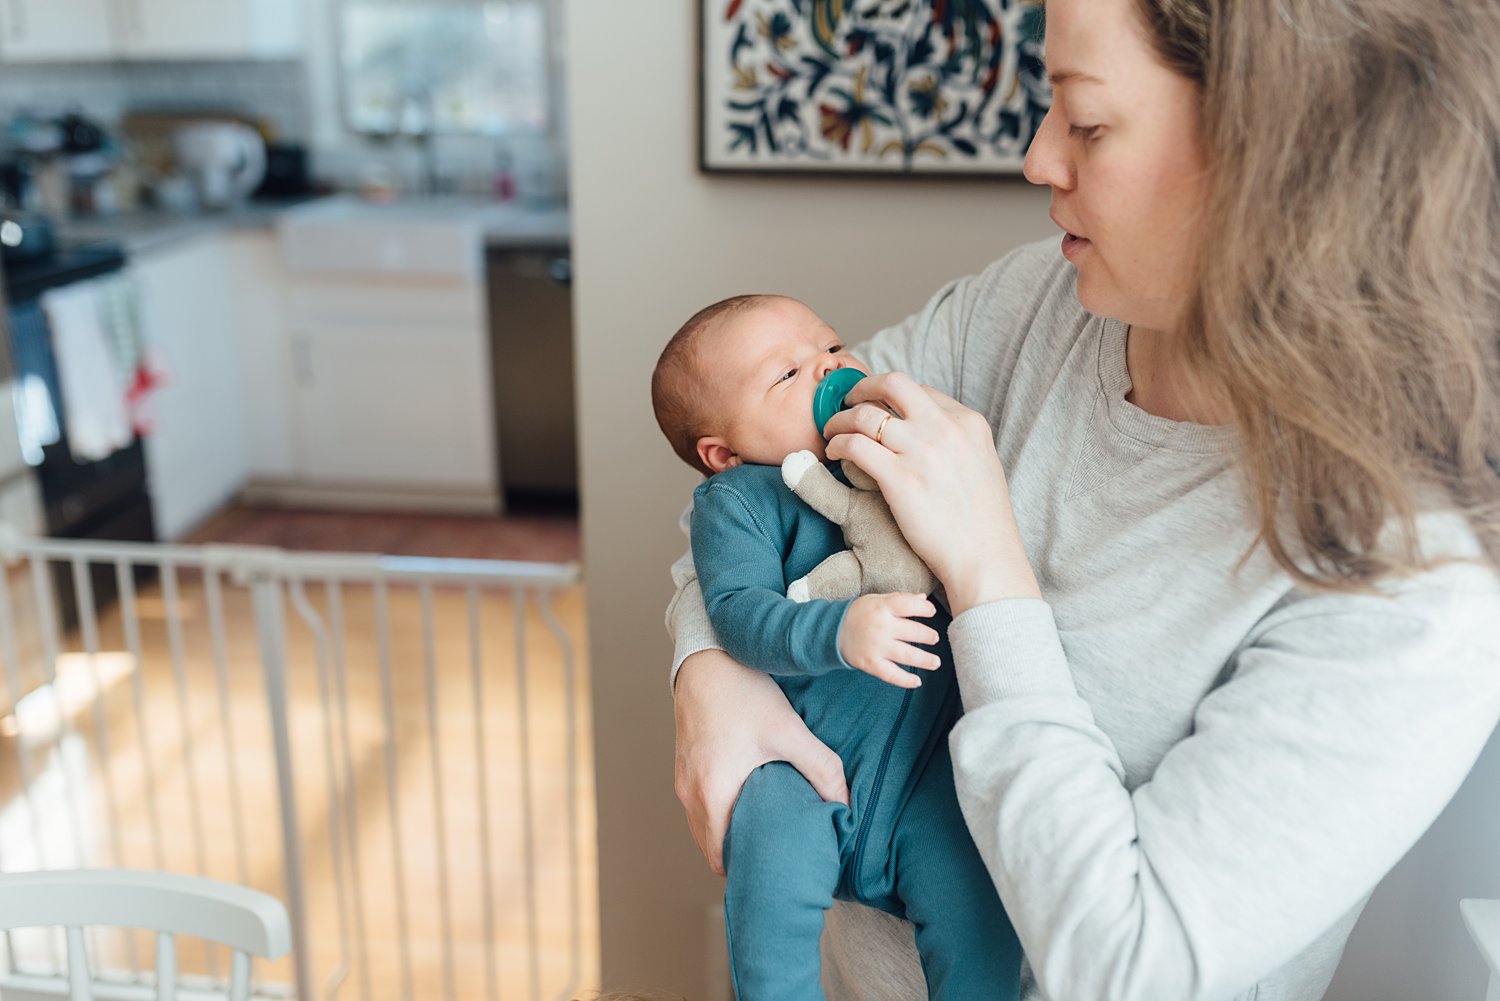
pixel 829 397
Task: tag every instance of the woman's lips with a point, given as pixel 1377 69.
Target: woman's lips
pixel 1072 245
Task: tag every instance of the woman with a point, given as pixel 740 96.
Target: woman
pixel 1212 495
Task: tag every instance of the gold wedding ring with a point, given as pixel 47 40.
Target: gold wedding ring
pixel 880 430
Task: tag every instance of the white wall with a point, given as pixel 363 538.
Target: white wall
pixel 654 240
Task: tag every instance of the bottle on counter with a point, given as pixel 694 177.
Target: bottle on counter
pixel 505 178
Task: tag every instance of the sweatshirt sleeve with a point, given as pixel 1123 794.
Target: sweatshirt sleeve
pixel 1345 725
pixel 687 619
pixel 739 564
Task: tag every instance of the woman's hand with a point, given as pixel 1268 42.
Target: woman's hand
pixel 730 721
pixel 936 465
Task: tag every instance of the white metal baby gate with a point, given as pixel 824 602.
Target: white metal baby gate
pixel 390 745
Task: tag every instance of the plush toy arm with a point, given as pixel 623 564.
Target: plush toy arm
pixel 836 578
pixel 814 483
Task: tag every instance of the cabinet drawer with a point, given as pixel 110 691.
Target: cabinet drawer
pixel 312 244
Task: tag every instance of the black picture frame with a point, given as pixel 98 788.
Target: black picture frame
pixel 879 88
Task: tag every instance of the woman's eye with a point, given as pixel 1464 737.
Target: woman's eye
pixel 1084 132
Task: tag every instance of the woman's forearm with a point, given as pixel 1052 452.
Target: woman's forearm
pixel 1347 724
pixel 687 619
pixel 730 720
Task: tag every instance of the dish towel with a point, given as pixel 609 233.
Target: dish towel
pixel 138 364
pixel 93 401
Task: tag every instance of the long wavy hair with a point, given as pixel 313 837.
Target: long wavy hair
pixel 1349 289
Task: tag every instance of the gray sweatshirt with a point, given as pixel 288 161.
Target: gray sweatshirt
pixel 1185 780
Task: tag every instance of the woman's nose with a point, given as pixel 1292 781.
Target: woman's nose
pixel 1047 160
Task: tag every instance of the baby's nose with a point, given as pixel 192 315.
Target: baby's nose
pixel 829 363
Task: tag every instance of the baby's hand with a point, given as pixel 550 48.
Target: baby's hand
pixel 878 632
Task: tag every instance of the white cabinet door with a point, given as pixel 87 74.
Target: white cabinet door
pixel 264 354
pixel 38 30
pixel 393 405
pixel 207 29
pixel 196 454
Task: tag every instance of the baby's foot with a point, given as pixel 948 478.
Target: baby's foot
pixel 799 590
pixel 795 466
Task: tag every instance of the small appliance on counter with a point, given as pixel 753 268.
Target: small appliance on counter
pixel 287 174
pixel 62 165
pixel 182 168
pixel 225 161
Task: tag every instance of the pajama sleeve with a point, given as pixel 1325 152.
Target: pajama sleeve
pixel 744 592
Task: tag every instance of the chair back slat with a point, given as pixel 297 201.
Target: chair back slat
pixel 166 967
pixel 1483 919
pixel 80 984
pixel 239 976
pixel 249 922
pixel 235 916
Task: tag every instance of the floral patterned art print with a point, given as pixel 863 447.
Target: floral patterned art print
pixel 870 86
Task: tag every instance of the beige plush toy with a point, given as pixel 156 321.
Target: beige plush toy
pixel 878 560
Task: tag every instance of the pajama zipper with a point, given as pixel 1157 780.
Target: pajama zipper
pixel 875 788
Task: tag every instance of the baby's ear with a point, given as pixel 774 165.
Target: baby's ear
pixel 716 454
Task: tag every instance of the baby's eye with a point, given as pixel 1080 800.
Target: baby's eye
pixel 791 373
pixel 835 349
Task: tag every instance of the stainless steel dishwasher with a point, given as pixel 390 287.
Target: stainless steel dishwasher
pixel 531 344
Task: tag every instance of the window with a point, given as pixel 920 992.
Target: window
pixel 470 67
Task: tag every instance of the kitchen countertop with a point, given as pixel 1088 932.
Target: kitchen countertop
pixel 503 225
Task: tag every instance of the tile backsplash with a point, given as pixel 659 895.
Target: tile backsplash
pixel 273 90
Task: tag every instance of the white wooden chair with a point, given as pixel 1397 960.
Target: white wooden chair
pixel 248 921
pixel 1483 919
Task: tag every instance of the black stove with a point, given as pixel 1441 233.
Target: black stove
pixel 103 498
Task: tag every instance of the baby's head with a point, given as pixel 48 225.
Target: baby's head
pixel 735 384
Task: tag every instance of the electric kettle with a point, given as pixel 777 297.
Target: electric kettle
pixel 224 161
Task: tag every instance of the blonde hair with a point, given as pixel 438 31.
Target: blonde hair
pixel 1351 300
pixel 679 396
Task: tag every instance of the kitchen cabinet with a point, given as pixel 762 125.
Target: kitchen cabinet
pixel 196 454
pixel 43 30
pixel 389 393
pixel 264 355
pixel 388 361
pixel 74 30
pixel 392 406
pixel 195 29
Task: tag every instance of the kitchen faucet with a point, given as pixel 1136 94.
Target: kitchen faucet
pixel 416 123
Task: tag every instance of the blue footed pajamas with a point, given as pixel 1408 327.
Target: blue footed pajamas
pixel 901 844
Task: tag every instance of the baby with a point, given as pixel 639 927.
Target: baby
pixel 733 393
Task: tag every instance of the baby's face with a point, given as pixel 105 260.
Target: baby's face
pixel 765 364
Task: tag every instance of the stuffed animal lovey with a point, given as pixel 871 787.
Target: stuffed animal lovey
pixel 878 560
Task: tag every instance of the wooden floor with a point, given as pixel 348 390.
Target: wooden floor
pixel 167 768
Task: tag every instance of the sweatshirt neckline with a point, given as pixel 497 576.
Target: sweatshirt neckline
pixel 1133 422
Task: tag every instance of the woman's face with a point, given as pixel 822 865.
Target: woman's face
pixel 1120 149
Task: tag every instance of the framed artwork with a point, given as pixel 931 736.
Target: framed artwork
pixel 925 87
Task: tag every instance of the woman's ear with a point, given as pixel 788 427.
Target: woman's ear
pixel 716 454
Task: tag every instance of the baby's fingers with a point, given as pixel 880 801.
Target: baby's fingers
pixel 905 653
pixel 914 632
pixel 892 674
pixel 910 606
